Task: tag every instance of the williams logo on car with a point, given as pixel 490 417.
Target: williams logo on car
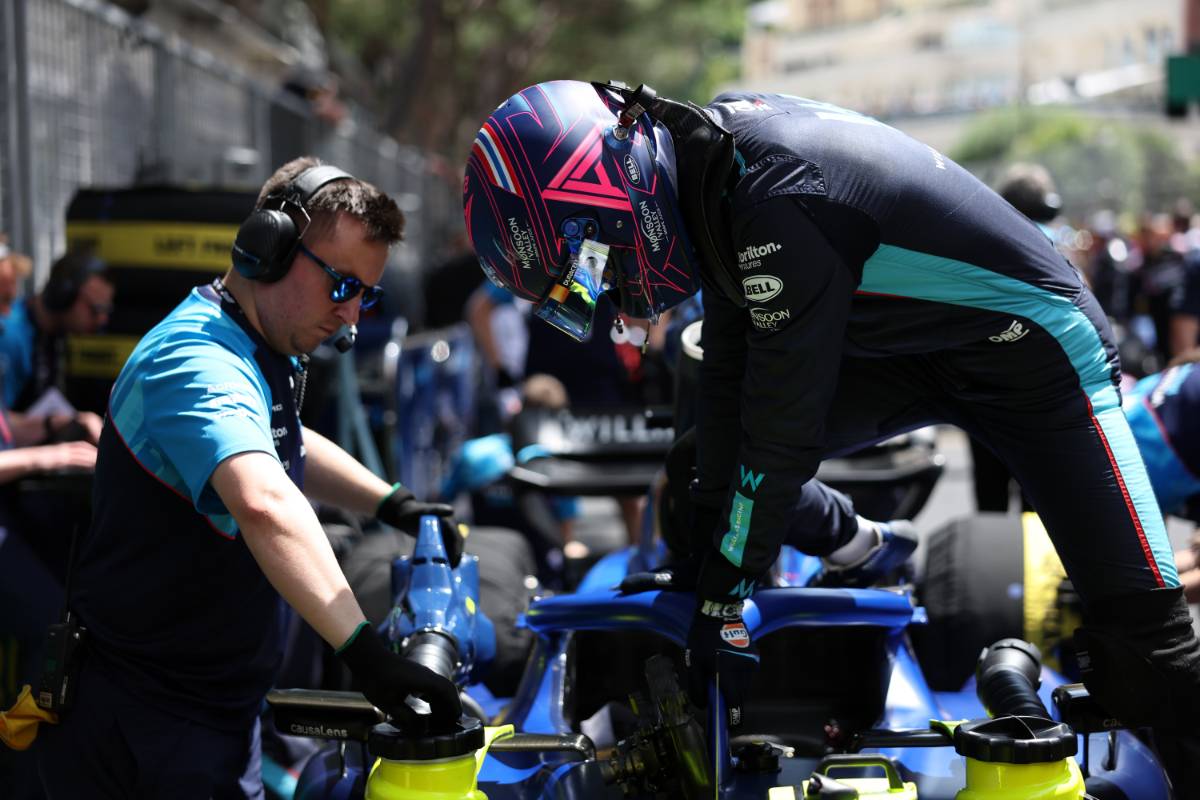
pixel 735 634
pixel 761 288
pixel 631 169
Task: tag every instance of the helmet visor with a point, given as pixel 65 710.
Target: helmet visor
pixel 570 304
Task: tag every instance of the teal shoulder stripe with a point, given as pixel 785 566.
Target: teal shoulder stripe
pixel 922 276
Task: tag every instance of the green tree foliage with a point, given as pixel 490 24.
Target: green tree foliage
pixel 439 66
pixel 1098 163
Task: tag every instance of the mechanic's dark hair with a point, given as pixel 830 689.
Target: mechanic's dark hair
pixel 359 199
pixel 1182 212
pixel 1030 190
pixel 67 276
pixel 543 391
pixel 1186 357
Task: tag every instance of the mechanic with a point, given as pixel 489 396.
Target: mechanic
pixel 15 268
pixel 602 375
pixel 480 468
pixel 1184 324
pixel 857 283
pixel 200 526
pixel 1164 413
pixel 76 300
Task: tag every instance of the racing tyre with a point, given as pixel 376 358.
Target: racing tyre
pixel 972 590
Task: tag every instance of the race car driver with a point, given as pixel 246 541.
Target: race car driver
pixel 857 283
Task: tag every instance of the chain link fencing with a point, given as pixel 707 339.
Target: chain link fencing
pixel 90 97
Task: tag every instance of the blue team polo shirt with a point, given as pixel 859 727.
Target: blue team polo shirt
pixel 1164 414
pixel 16 351
pixel 178 610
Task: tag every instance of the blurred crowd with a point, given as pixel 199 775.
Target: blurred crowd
pixel 1144 269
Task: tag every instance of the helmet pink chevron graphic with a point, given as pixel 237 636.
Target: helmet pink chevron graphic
pixel 583 177
pixel 546 174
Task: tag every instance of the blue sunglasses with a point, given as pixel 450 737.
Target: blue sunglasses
pixel 345 287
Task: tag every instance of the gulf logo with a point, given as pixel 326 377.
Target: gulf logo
pixel 735 634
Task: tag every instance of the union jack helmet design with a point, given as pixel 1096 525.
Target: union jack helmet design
pixel 560 209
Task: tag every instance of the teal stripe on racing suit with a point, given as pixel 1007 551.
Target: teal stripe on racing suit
pixel 900 272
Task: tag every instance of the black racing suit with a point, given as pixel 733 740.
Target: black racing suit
pixel 882 288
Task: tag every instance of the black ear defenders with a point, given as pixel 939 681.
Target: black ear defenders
pixel 267 241
pixel 67 276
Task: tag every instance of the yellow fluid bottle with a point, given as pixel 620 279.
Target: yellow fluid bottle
pixel 431 768
pixel 1019 758
pixel 1059 780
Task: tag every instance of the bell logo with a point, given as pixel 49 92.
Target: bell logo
pixel 761 288
pixel 735 634
pixel 631 169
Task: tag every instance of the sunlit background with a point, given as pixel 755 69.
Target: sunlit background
pixel 219 92
pixel 165 116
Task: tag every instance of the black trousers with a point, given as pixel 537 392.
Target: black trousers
pixel 1068 445
pixel 1069 448
pixel 114 745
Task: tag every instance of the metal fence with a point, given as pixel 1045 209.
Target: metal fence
pixel 90 97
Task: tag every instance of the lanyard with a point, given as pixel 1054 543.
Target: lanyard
pixel 300 363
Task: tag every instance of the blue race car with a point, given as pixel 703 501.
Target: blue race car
pixel 840 706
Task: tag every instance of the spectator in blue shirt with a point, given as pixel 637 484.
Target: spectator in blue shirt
pixel 76 300
pixel 14 325
pixel 1164 413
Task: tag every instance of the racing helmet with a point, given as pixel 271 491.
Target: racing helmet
pixel 570 193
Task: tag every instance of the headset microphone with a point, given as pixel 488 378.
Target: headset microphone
pixel 345 339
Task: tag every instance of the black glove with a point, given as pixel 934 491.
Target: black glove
pixel 718 642
pixel 387 679
pixel 719 648
pixel 402 510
